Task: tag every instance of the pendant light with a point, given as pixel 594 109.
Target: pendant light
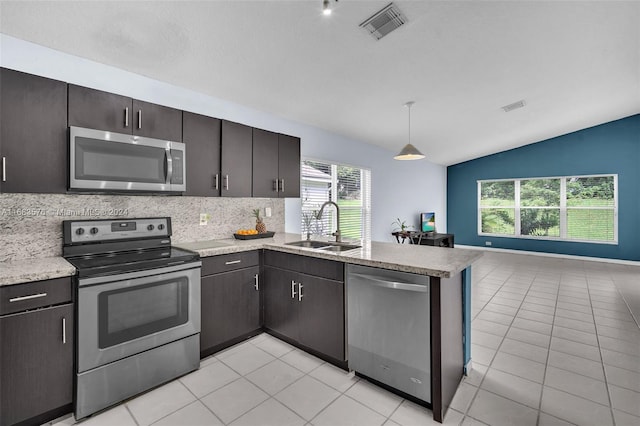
pixel 409 152
pixel 326 8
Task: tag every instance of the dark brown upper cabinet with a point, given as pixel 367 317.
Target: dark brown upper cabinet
pixel 236 159
pixel 265 164
pixel 33 133
pixel 289 166
pixel 201 135
pixel 100 110
pixel 276 165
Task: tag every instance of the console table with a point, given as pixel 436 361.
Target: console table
pixel 424 238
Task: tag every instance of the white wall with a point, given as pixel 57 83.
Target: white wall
pixel 399 188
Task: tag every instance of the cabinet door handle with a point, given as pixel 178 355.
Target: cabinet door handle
pixel 126 117
pixel 216 182
pixel 276 187
pixel 293 289
pixel 226 182
pixel 139 119
pixel 282 185
pixel 232 262
pixel 31 296
pixel 64 331
pixel 4 169
pixel 257 283
pixel 300 292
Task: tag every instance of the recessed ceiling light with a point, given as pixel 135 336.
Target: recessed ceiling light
pixel 515 105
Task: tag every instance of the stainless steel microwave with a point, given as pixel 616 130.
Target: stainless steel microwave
pixel 107 161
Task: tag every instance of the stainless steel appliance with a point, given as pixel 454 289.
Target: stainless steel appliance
pixel 137 308
pixel 107 161
pixel 389 331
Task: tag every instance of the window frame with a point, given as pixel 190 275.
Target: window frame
pixel 563 209
pixel 365 179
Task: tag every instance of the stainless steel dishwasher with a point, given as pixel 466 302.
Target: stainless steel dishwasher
pixel 389 330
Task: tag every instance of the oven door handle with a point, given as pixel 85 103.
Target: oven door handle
pixel 84 282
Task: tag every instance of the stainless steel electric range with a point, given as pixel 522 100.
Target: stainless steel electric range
pixel 137 308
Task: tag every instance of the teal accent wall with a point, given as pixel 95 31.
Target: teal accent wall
pixel 611 148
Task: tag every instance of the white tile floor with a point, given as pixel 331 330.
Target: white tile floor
pixel 553 343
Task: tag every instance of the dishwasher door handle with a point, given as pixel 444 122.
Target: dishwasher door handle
pixel 394 285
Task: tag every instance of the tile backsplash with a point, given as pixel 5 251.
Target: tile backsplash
pixel 31 224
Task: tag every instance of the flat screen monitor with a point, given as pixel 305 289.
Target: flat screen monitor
pixel 428 222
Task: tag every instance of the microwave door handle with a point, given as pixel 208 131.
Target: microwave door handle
pixel 168 163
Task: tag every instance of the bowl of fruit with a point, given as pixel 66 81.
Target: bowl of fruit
pixel 250 234
pixel 260 230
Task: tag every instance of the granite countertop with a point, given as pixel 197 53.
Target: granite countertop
pixel 425 260
pixel 27 270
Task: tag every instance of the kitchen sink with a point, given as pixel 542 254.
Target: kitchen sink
pixel 309 244
pixel 324 245
pixel 339 247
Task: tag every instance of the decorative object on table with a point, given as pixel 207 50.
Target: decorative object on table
pixel 307 221
pixel 260 225
pixel 401 227
pixel 252 236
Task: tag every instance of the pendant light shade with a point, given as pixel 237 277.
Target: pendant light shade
pixel 409 152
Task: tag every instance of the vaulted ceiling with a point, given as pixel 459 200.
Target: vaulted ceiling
pixel 575 64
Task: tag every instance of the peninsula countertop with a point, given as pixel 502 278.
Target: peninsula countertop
pixel 417 259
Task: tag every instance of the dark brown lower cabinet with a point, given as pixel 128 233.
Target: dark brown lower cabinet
pixel 36 365
pixel 230 308
pixel 280 302
pixel 321 315
pixel 306 309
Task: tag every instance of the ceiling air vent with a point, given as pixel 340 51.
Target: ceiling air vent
pixel 515 105
pixel 384 21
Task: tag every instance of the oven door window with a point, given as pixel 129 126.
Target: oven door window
pixel 130 313
pixel 123 162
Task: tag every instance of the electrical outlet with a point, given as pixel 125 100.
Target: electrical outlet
pixel 487 243
pixel 204 218
pixel 267 212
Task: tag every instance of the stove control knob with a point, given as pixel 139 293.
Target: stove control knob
pixel 161 227
pixel 79 231
pixel 94 231
pixel 149 227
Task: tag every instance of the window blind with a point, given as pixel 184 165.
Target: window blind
pixel 347 186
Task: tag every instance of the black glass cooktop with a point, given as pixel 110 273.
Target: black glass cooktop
pixel 129 261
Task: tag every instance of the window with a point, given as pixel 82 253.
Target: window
pixel 575 208
pixel 347 186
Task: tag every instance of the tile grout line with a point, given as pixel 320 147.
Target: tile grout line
pixel 604 371
pixel 546 364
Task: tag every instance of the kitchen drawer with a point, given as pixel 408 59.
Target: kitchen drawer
pixel 37 294
pixel 229 262
pixel 323 268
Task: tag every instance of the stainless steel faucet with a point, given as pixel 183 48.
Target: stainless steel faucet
pixel 336 234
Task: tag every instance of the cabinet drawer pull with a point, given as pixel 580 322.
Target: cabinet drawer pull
pixel 64 331
pixel 31 296
pixel 300 292
pixel 293 289
pixel 126 117
pixel 256 285
pixel 139 119
pixel 232 262
pixel 4 169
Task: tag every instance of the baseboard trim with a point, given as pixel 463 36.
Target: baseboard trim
pixel 556 255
